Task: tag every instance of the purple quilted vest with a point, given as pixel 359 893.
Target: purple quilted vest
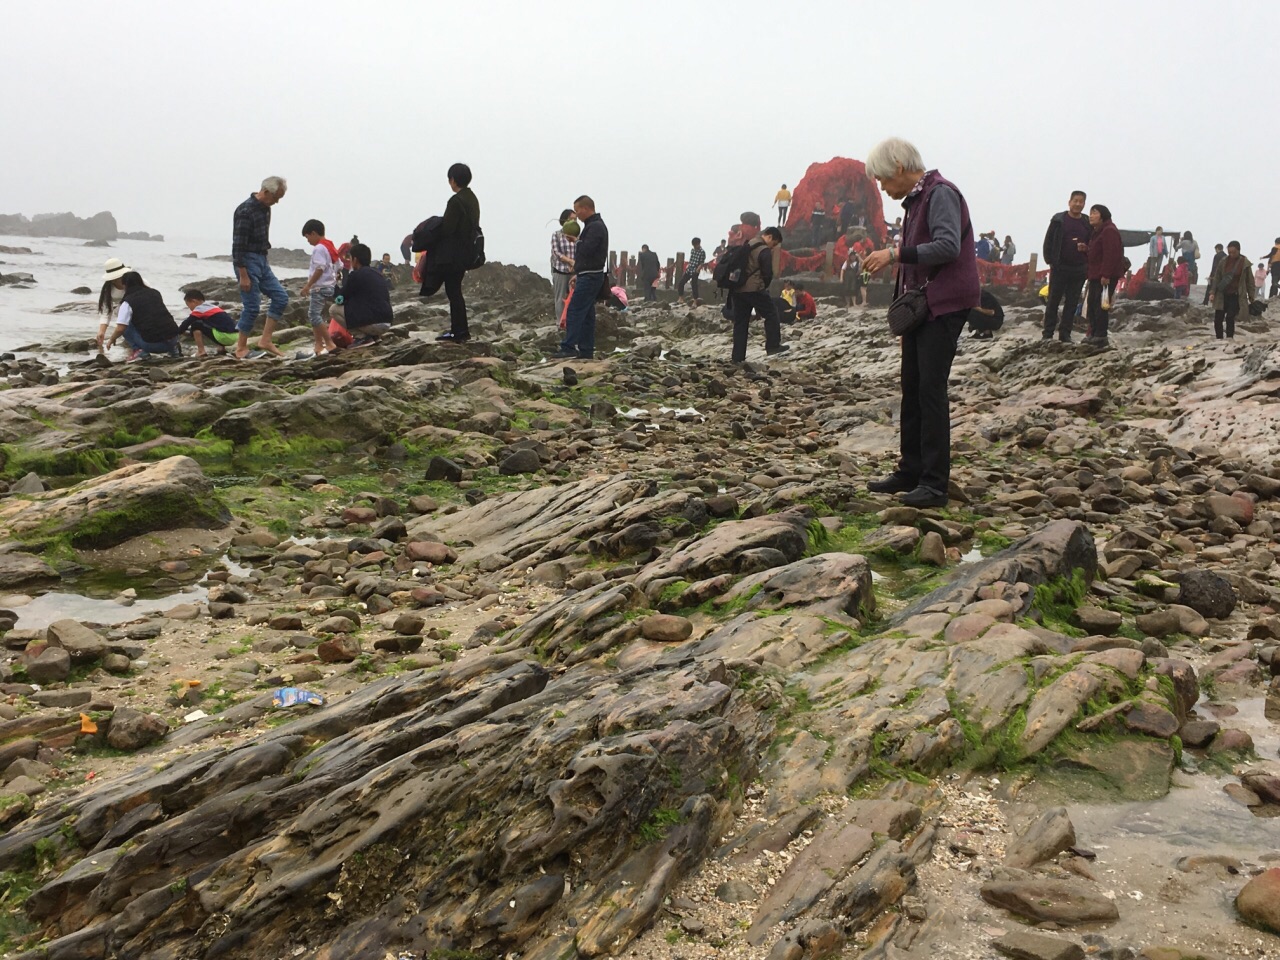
pixel 952 286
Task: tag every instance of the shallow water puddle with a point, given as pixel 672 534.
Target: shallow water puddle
pixel 93 599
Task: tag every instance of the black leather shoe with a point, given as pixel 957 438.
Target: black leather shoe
pixel 893 483
pixel 924 497
pixel 782 349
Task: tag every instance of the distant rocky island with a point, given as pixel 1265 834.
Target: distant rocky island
pixel 101 227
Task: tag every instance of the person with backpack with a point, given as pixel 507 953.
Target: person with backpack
pixel 590 260
pixel 452 250
pixel 747 277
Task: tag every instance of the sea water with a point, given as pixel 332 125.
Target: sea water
pixel 47 312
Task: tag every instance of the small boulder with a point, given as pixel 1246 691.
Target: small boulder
pixel 1048 836
pixel 442 468
pixel 1097 621
pixel 408 625
pixel 932 549
pixel 520 461
pixel 430 551
pixel 666 628
pixel 1025 945
pixel 53 665
pixel 83 645
pixel 359 515
pixel 31 483
pixel 132 729
pixel 340 649
pixel 1259 901
pixel 1207 593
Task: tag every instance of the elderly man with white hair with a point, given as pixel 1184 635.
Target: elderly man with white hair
pixel 250 242
pixel 935 254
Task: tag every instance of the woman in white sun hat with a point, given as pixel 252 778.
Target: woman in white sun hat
pixel 109 300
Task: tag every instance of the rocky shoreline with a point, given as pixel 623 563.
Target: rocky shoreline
pixel 623 659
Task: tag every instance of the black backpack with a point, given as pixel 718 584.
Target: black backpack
pixel 730 271
pixel 477 259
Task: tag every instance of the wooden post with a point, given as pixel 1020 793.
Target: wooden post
pixel 829 270
pixel 679 272
pixel 1031 274
pixel 613 262
pixel 622 268
pixel 669 273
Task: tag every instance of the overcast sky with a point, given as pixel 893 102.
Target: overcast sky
pixel 674 116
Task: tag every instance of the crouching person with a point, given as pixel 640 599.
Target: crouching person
pixel 363 307
pixel 207 320
pixel 144 321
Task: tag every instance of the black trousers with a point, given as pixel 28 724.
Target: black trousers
pixel 760 303
pixel 1275 279
pixel 1228 308
pixel 1097 316
pixel 452 283
pixel 650 291
pixel 925 444
pixel 1065 284
pixel 690 278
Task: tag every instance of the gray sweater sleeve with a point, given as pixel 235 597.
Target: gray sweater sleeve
pixel 944 228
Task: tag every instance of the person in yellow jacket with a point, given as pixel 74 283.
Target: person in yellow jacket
pixel 783 202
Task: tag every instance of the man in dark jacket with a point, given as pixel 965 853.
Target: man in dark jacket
pixel 1218 256
pixel 753 296
pixel 590 257
pixel 365 310
pixel 937 257
pixel 1066 244
pixel 650 270
pixel 451 251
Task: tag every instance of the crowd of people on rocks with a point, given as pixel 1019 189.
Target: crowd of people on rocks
pixel 348 294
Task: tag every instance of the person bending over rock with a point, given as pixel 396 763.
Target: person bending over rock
pixel 144 321
pixel 207 320
pixel 112 294
pixel 936 256
pixel 451 251
pixel 363 307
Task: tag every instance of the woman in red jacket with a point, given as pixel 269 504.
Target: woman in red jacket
pixel 1106 267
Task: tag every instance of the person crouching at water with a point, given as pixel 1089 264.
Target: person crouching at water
pixel 144 321
pixel 364 309
pixel 109 299
pixel 207 320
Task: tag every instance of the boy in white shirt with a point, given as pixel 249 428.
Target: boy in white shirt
pixel 320 283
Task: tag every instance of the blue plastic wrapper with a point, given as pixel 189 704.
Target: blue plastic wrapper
pixel 292 696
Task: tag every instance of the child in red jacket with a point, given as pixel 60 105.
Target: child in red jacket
pixel 806 308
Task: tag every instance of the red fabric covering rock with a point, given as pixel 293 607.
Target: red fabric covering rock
pixel 838 179
pixel 1007 275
